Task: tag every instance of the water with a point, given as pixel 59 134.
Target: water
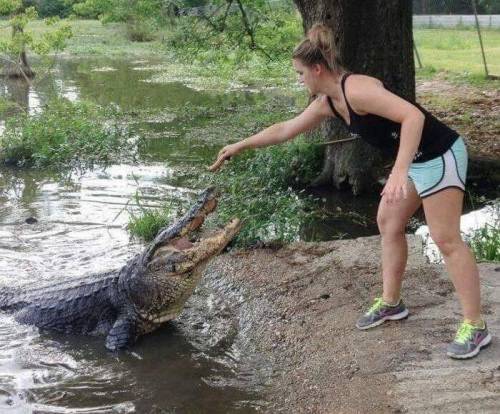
pixel 80 229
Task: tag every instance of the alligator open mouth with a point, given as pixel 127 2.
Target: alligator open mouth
pixel 186 236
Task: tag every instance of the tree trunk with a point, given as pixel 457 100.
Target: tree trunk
pixel 373 38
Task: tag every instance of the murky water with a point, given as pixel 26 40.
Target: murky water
pixel 79 230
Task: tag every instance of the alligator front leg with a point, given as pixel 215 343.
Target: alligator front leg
pixel 122 334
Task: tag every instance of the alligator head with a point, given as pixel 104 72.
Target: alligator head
pixel 155 285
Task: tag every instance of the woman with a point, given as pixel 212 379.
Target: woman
pixel 430 169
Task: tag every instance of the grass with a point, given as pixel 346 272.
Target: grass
pixel 457 52
pixel 146 224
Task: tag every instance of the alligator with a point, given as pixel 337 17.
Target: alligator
pixel 148 291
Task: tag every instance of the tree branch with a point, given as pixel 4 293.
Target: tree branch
pixel 246 23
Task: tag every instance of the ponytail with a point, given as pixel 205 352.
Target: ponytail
pixel 318 48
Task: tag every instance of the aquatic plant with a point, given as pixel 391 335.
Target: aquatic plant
pixel 65 136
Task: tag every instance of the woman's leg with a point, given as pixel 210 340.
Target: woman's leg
pixel 442 213
pixel 392 219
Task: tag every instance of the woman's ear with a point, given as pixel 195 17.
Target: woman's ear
pixel 318 69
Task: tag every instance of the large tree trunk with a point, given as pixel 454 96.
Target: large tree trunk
pixel 375 38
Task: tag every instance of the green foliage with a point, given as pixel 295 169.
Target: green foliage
pixel 257 188
pixel 8 7
pixel 142 17
pixel 229 55
pixel 60 8
pixel 485 241
pixel 65 136
pixel 93 9
pixel 6 105
pixel 52 40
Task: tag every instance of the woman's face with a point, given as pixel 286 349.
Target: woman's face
pixel 308 75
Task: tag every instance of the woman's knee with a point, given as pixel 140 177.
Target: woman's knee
pixel 447 243
pixel 390 226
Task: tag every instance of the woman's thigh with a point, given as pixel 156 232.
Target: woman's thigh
pixel 442 214
pixel 393 217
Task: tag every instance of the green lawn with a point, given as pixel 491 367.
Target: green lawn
pixel 458 50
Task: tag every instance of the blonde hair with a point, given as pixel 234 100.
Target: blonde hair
pixel 318 48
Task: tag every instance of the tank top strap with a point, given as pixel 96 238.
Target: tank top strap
pixel 332 107
pixel 342 84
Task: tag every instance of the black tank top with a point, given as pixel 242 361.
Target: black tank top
pixel 437 138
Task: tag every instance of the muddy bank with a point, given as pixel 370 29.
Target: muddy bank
pixel 285 320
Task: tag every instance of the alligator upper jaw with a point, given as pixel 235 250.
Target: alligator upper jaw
pixel 176 248
pixel 183 255
pixel 176 234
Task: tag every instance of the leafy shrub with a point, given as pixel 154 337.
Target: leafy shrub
pixel 257 188
pixel 65 135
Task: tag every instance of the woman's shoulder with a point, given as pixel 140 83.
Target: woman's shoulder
pixel 360 88
pixel 359 81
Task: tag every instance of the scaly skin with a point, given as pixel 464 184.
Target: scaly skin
pixel 148 291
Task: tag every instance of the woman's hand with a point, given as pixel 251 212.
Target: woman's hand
pixel 396 187
pixel 224 154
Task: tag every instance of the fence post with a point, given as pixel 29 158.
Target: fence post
pixel 480 37
pixel 417 55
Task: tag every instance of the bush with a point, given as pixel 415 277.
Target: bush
pixel 258 188
pixel 65 135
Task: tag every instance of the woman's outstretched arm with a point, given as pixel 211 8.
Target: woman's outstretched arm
pixel 316 112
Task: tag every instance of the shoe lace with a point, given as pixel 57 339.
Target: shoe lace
pixel 464 332
pixel 377 304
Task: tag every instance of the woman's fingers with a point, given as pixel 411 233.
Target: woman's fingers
pixel 216 165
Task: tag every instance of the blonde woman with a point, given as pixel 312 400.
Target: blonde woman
pixel 430 169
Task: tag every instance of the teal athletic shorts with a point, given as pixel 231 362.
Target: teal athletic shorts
pixel 445 171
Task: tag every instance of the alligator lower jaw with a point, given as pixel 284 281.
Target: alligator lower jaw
pixel 159 319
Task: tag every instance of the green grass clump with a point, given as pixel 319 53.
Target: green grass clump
pixel 65 136
pixel 258 187
pixel 485 241
pixel 149 221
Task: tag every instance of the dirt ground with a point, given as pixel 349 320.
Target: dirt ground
pixel 286 317
pixel 473 111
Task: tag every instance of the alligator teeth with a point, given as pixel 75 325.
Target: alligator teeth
pixel 164 318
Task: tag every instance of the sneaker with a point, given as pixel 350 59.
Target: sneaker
pixel 468 341
pixel 381 312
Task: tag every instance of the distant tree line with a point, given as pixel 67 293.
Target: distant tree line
pixel 455 6
pixel 96 8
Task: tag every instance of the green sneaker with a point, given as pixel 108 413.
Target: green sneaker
pixel 381 312
pixel 468 341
